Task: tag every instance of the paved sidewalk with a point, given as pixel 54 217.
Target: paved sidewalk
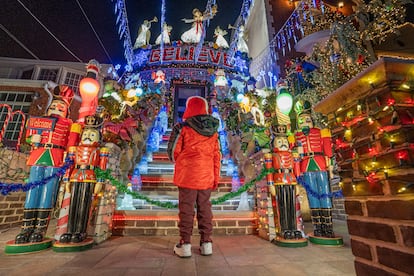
pixel 143 255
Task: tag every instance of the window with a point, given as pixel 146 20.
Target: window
pixel 17 101
pixel 72 80
pixel 27 75
pixel 48 74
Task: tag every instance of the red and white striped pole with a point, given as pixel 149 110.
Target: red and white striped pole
pixel 62 223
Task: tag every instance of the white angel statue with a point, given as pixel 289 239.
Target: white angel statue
pixel 144 33
pixel 165 35
pixel 241 40
pixel 221 42
pixel 193 35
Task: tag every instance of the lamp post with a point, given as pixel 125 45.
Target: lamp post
pixel 89 89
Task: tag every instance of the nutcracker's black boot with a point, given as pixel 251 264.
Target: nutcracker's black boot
pixel 29 216
pixel 316 222
pixel 327 226
pixel 41 224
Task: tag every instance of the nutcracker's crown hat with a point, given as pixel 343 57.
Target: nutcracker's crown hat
pixel 93 121
pixel 279 130
pixel 64 93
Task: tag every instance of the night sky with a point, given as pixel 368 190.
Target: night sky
pixel 66 21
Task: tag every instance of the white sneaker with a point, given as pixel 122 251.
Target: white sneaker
pixel 182 250
pixel 206 248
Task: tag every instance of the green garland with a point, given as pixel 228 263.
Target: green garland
pixel 100 174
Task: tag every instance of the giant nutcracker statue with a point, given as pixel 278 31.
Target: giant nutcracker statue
pixel 49 136
pixel 288 233
pixel 315 151
pixel 84 185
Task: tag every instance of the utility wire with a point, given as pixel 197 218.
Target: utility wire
pixel 93 29
pixel 38 21
pixel 18 41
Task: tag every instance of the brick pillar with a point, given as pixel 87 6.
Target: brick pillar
pixel 372 128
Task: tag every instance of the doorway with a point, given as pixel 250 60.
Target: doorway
pixel 181 94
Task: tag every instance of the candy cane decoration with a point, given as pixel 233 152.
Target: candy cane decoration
pixel 6 120
pixel 19 138
pixel 9 117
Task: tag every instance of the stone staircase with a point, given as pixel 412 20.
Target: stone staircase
pixel 234 216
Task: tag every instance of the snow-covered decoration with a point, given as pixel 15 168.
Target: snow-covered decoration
pixel 219 34
pixel 144 33
pixel 164 35
pixel 123 30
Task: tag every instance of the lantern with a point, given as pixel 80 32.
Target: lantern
pixel 89 88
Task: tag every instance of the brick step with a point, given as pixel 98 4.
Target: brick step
pixel 164 183
pixel 161 165
pixel 163 223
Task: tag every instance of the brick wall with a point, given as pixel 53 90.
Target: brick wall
pixel 165 223
pixel 13 169
pixel 382 234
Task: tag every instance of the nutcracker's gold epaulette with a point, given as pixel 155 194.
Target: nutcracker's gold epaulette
pixel 291 138
pixel 104 150
pixel 325 133
pixel 76 127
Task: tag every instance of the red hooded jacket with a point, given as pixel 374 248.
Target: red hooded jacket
pixel 195 148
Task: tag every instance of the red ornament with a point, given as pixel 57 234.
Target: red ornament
pixel 360 59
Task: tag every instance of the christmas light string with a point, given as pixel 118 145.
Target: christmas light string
pixel 123 31
pixel 6 188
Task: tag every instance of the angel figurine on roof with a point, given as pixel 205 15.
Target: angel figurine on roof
pixel 144 33
pixel 164 35
pixel 193 35
pixel 221 42
pixel 241 39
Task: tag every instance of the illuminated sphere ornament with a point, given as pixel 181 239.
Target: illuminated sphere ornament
pixel 239 97
pixel 284 100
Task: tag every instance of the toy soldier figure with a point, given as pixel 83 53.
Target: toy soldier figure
pixel 83 183
pixel 285 183
pixel 315 150
pixel 49 136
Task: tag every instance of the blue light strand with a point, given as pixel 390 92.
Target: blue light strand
pixel 123 31
pixel 6 188
pixel 206 23
pixel 309 191
pixel 162 30
pixel 244 14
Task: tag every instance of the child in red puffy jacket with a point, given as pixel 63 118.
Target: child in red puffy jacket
pixel 195 149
